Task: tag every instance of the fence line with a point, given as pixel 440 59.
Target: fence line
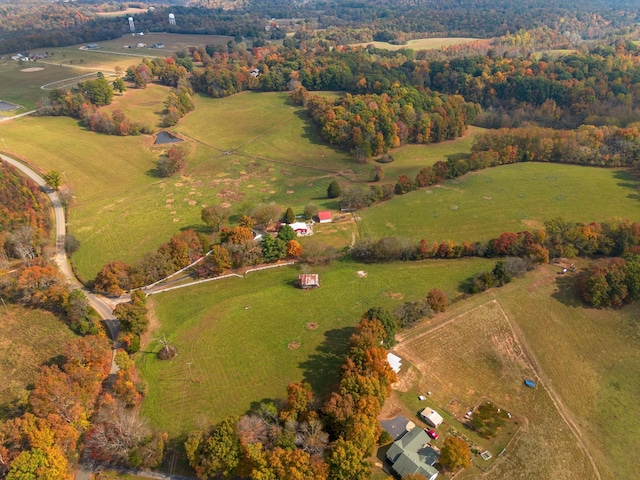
pixel 268 266
pixel 195 283
pixel 228 275
pixel 173 274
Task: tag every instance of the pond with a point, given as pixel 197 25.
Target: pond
pixel 166 137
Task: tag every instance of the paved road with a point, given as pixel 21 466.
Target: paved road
pixel 97 302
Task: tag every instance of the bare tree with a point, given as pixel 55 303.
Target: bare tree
pixel 252 429
pixel 114 438
pixel 312 438
pixel 21 243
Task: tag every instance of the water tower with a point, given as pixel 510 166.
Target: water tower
pixel 172 19
pixel 132 26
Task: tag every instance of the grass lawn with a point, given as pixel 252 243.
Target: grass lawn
pixel 585 359
pixel 421 43
pixel 141 105
pixel 29 337
pixel 516 197
pixel 234 336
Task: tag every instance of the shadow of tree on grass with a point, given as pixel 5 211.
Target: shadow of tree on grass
pixel 322 368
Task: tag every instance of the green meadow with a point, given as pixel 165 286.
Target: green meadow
pixel 241 340
pixel 515 197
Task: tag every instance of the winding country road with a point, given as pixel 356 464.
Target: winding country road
pixel 97 302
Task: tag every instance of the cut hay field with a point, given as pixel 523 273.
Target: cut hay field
pixel 515 197
pixel 420 43
pixel 29 337
pixel 141 105
pixel 234 335
pixel 584 360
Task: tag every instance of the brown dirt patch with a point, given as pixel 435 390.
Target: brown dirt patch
pixel 533 224
pixel 394 295
pixel 294 345
pixel 31 69
pixel 311 326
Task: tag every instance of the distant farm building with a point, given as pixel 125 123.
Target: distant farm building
pixel 324 216
pixel 431 417
pixel 157 45
pixel 91 46
pixel 412 454
pixel 300 228
pixel 309 280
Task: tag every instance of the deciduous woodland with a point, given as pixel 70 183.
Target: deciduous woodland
pixel 349 127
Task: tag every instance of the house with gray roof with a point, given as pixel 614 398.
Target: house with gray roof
pixel 412 453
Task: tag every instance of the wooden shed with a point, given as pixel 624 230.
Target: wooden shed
pixel 309 280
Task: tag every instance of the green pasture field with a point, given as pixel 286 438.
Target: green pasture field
pixel 420 43
pixel 411 158
pixel 141 105
pixel 23 88
pixel 29 337
pixel 121 210
pixel 515 197
pixel 243 340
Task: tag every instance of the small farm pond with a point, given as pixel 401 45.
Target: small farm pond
pixel 166 137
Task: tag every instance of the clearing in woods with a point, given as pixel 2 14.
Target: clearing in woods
pixel 420 43
pixel 585 406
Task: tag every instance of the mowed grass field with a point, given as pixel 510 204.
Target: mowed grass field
pixel 234 335
pixel 63 63
pixel 483 204
pixel 584 360
pixel 420 43
pixel 29 337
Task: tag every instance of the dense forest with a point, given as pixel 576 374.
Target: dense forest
pixel 29 26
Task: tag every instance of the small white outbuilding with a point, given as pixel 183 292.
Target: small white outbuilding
pixel 431 417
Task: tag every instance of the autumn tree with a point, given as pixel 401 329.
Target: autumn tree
pixel 214 216
pixel 487 419
pixel 286 233
pixel 216 453
pixel 346 463
pixel 294 249
pixel 437 300
pixel 119 86
pixel 266 214
pixel 388 323
pixel 455 454
pixel 114 278
pixel 299 397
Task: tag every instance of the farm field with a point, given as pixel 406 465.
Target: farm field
pixel 23 88
pixel 420 43
pixel 483 204
pixel 30 337
pixel 410 159
pixel 534 328
pixel 237 337
pixel 118 201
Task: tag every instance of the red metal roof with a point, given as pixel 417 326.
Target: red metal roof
pixel 324 215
